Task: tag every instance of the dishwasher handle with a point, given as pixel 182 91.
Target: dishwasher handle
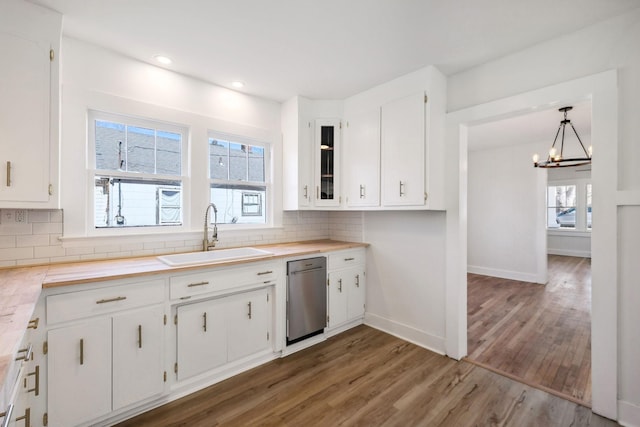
pixel 308 270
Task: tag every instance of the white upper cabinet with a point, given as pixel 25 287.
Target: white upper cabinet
pixel 403 151
pixel 29 94
pixel 362 158
pixel 297 140
pixel 327 162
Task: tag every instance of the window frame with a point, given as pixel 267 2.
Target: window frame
pixel 580 206
pixel 245 185
pixel 94 115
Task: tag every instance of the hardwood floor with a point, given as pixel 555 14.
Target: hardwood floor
pixel 538 334
pixel 365 377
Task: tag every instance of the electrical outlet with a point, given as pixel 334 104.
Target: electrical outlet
pixel 7 216
pixel 21 215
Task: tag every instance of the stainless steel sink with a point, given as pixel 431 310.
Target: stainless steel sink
pixel 193 258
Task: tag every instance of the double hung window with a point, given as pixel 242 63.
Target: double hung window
pixel 138 171
pixel 569 206
pixel 238 179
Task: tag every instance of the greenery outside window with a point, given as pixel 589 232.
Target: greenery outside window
pixel 137 171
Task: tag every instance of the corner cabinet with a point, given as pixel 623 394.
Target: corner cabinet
pixel 29 105
pixel 327 162
pixel 297 141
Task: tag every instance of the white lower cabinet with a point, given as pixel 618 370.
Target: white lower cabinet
pixel 79 372
pixel 347 286
pixel 138 348
pixel 217 331
pixel 202 337
pixel 104 364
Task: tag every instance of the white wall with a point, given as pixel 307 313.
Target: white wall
pixel 405 275
pixel 506 196
pixel 612 44
pixel 95 78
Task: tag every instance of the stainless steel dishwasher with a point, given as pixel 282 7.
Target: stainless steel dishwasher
pixel 306 298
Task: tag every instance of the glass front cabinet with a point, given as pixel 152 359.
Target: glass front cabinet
pixel 327 162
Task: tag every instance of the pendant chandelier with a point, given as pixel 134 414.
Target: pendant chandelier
pixel 556 158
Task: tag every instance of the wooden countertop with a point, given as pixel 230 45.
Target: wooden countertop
pixel 20 288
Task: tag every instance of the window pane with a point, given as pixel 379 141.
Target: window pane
pixel 239 204
pixel 218 159
pixel 121 202
pixel 561 206
pixel 168 153
pixel 110 140
pixel 256 164
pixel 589 206
pixel 237 162
pixel 141 146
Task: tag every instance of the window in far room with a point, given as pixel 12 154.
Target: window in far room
pixel 238 179
pixel 569 206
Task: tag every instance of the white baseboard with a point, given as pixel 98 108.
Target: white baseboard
pixel 503 274
pixel 569 252
pixel 628 414
pixel 407 333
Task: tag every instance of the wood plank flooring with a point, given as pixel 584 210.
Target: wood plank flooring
pixel 535 333
pixel 365 377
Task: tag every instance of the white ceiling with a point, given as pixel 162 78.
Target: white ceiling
pixel 533 127
pixel 327 49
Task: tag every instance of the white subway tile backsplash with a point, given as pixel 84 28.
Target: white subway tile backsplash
pixel 37 241
pixel 32 240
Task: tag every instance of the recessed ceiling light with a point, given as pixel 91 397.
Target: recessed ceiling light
pixel 163 59
pixel 237 84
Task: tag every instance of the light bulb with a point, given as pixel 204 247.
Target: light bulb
pixel 536 158
pixel 552 152
pixel 590 150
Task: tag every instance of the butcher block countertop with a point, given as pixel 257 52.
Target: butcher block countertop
pixel 20 288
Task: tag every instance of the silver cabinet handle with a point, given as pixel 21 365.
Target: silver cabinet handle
pixel 8 174
pixel 27 353
pixel 401 189
pixel 317 192
pixel 249 305
pixel 306 191
pixel 33 323
pixel 362 191
pixel 349 259
pixel 7 416
pixel 204 321
pixel 193 285
pixel 357 280
pixel 262 273
pixel 81 351
pixel 104 301
pixel 340 285
pixel 139 336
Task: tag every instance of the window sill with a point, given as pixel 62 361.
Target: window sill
pixel 568 233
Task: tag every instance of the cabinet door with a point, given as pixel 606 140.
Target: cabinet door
pixel 248 323
pixel 362 159
pixel 403 151
pixel 137 356
pixel 305 166
pixel 79 372
pixel 24 119
pixel 337 298
pixel 202 337
pixel 327 162
pixel 355 280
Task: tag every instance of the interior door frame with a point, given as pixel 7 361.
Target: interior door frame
pixel 602 90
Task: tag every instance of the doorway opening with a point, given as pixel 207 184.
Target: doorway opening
pixel 528 255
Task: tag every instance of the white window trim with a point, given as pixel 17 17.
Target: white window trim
pixel 268 176
pixel 581 206
pixel 92 172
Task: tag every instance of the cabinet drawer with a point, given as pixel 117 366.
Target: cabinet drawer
pixel 346 259
pixel 221 279
pixel 76 305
